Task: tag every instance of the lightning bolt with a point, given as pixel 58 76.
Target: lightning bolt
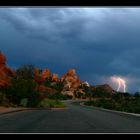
pixel 121 83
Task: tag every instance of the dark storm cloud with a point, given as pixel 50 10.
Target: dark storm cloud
pixel 98 42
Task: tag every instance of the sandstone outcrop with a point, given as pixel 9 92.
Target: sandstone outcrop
pixel 41 76
pixel 55 77
pixel 71 82
pixel 5 72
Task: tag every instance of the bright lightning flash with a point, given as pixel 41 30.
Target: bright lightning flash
pixel 121 83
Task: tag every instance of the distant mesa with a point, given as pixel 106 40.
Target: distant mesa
pixel 106 88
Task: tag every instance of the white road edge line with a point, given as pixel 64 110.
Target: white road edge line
pixel 134 114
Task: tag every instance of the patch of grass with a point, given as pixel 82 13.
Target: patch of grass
pixel 51 103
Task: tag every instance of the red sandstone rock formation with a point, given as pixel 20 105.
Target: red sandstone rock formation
pixel 40 79
pixel 55 77
pixel 71 82
pixel 43 90
pixel 41 76
pixel 2 59
pixel 5 72
pixel 46 73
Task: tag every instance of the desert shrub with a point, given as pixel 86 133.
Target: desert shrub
pixel 57 96
pixel 58 86
pixel 48 81
pixel 78 94
pixel 22 88
pixel 24 102
pixel 25 72
pixel 68 96
pixel 122 102
pixel 89 103
pixel 51 103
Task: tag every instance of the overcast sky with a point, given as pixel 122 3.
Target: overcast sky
pixel 97 42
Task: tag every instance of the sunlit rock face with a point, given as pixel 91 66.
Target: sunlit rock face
pixel 46 73
pixel 55 77
pixel 5 72
pixel 41 76
pixel 71 82
pixel 2 59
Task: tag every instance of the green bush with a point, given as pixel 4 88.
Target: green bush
pixel 23 88
pixel 51 103
pixel 24 102
pixel 90 103
pixel 57 96
pixel 58 86
pixel 121 102
pixel 33 99
pixel 25 72
pixel 48 81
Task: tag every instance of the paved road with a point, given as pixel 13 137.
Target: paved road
pixel 74 119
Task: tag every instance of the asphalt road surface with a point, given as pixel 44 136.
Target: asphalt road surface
pixel 74 119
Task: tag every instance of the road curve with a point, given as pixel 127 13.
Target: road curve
pixel 74 119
